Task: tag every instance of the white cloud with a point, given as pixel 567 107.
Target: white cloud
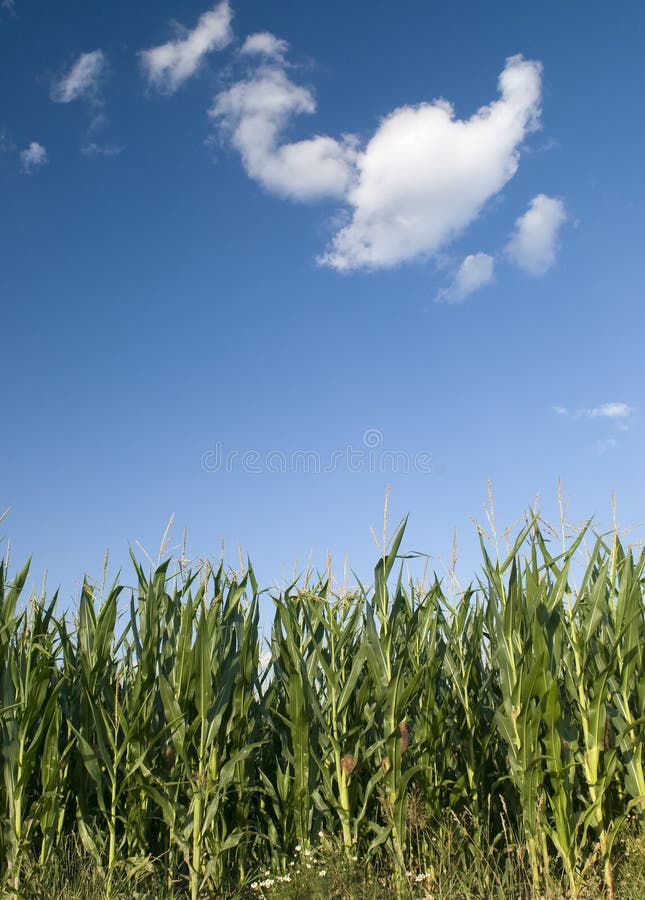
pixel 412 188
pixel 263 43
pixel 425 175
pixel 610 411
pixel 33 157
pixel 475 271
pixel 254 113
pixel 82 81
pixel 169 65
pixel 534 243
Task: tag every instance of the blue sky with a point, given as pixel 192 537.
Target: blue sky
pixel 275 229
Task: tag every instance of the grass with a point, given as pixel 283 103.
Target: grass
pixel 326 874
pixel 400 740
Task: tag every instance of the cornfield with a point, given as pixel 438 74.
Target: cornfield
pixel 158 727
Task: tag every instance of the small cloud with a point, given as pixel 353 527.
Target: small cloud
pixel 561 410
pixel 534 243
pixel 83 80
pixel 98 121
pixel 263 43
pixel 9 7
pixel 93 149
pixel 254 113
pixel 167 66
pixel 476 271
pixel 33 157
pixel 610 411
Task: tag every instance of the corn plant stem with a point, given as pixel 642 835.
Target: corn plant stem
pixel 341 776
pixel 195 874
pixel 113 793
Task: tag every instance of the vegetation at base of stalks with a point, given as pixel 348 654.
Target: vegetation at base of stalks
pixel 399 739
pixel 71 874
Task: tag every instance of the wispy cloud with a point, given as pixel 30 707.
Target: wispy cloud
pixel 603 446
pixel 6 144
pixel 82 81
pixel 9 6
pixel 167 66
pixel 617 411
pixel 534 243
pixel 254 113
pixel 475 271
pixel 33 157
pixel 618 414
pixel 94 149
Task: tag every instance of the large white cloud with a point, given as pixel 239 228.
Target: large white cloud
pixel 475 271
pixel 534 243
pixel 169 65
pixel 420 180
pixel 254 113
pixel 425 175
pixel 82 80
